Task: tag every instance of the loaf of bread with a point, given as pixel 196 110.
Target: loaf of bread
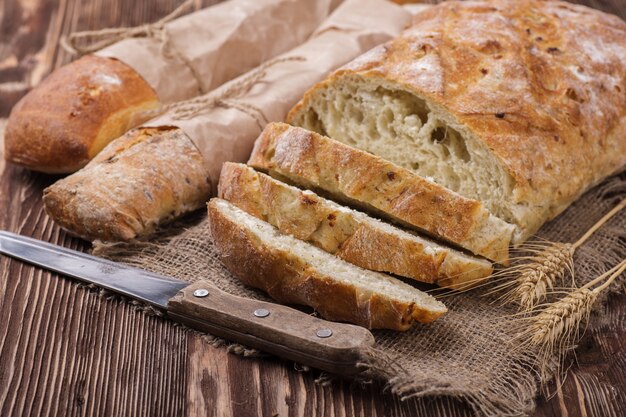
pixel 67 119
pixel 293 271
pixel 351 235
pixel 518 104
pixel 148 176
pixel 369 182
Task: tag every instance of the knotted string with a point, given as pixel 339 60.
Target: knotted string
pixel 79 42
pixel 184 110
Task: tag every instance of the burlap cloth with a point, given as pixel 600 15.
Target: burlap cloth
pixel 472 353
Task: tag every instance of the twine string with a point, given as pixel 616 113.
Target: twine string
pixel 90 41
pixel 226 96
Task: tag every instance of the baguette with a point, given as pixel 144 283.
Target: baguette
pixel 367 181
pixel 67 119
pixel 348 234
pixel 292 271
pixel 121 194
pixel 518 104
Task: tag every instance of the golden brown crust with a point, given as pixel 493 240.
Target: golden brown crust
pixel 67 119
pixel 288 278
pixel 371 182
pixel 122 194
pixel 353 238
pixel 542 84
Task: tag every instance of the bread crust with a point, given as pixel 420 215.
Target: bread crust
pixel 355 239
pixel 542 84
pixel 121 195
pixel 288 278
pixel 368 181
pixel 67 119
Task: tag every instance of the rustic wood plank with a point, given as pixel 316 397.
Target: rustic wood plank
pixel 75 353
pixel 64 350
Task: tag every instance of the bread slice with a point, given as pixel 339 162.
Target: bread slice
pixel 523 119
pixel 293 271
pixel 351 235
pixel 370 182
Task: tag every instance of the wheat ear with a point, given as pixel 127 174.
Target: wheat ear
pixel 557 327
pixel 539 275
pixel 549 263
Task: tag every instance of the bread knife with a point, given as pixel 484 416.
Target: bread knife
pixel 272 328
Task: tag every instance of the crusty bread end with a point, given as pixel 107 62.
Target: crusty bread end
pixel 67 119
pixel 121 194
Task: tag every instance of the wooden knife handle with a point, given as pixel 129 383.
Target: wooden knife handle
pixel 272 328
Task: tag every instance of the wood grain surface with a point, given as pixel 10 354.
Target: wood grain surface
pixel 65 350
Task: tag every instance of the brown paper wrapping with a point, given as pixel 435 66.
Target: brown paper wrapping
pixel 227 134
pixel 218 43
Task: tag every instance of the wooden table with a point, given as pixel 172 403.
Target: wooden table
pixel 66 351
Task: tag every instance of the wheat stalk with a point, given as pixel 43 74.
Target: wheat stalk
pixel 550 262
pixel 557 327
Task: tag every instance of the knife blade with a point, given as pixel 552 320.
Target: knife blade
pixel 272 328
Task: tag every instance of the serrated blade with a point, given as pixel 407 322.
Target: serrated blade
pixel 132 282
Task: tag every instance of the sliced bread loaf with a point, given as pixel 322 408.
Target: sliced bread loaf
pixel 293 271
pixel 519 104
pixel 370 182
pixel 351 235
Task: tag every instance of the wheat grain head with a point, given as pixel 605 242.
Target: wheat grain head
pixel 560 321
pixel 538 276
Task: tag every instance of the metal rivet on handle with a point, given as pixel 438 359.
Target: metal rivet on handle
pixel 324 333
pixel 261 312
pixel 201 292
